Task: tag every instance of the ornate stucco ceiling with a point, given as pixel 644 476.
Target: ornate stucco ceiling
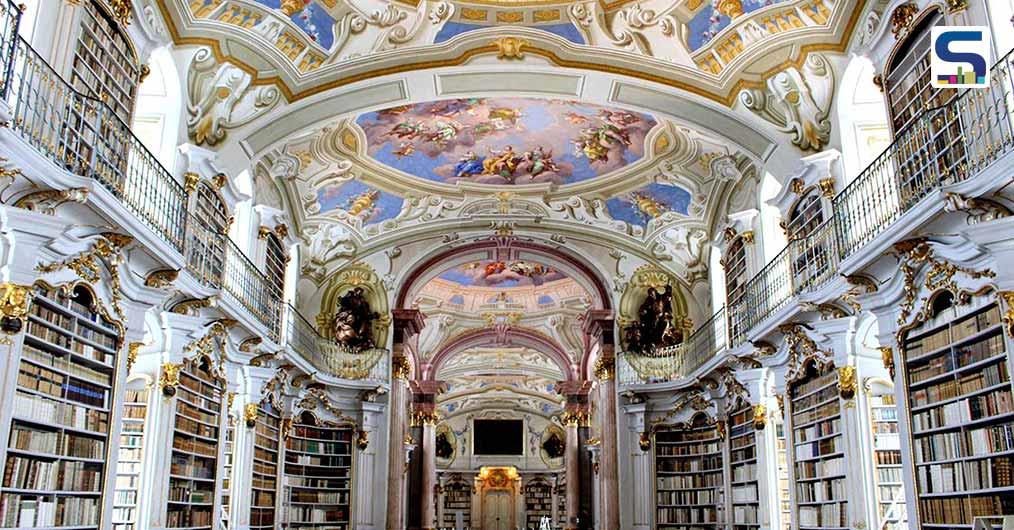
pixel 511 378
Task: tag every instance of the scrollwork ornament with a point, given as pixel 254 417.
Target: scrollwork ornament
pixel 362 439
pixel 510 47
pixel 169 379
pixel 132 351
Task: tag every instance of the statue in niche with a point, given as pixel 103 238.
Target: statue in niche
pixel 553 446
pixel 353 325
pixel 655 327
pixel 444 449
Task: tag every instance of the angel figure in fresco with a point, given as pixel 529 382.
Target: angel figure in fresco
pixel 595 142
pixel 468 165
pixel 408 130
pixel 575 118
pixel 502 163
pixel 504 114
pixel 444 132
pixel 404 149
pixel 619 118
pixel 538 161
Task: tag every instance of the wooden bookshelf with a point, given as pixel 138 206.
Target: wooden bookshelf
pixel 782 464
pixel 956 373
pixel 57 452
pixel 457 498
pixel 743 469
pixel 197 433
pixel 689 476
pixel 538 502
pixel 318 474
pixel 887 462
pixel 818 450
pixel 128 466
pixel 561 501
pixel 230 443
pixel 105 66
pixel 267 444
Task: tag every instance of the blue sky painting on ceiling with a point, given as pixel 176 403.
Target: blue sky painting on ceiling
pixel 648 202
pixel 359 200
pixel 313 20
pixel 453 29
pixel 501 274
pixel 505 141
pixel 708 22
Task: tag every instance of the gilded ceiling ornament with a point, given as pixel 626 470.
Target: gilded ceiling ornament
pixel 760 417
pixel 644 441
pixel 162 278
pixel 169 378
pixel 250 415
pixel 222 97
pixel 362 439
pixel 574 418
pixel 510 47
pixel 47 201
pixel 902 17
pixel 914 254
pixel 192 306
pixel 291 7
pixel 107 250
pixel 473 14
pixel 847 382
pixel 14 302
pixel 887 356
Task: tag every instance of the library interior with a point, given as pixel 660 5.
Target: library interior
pixel 719 264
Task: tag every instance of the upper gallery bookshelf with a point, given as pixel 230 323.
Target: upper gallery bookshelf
pixel 743 469
pixel 689 477
pixel 128 467
pixel 57 453
pixel 538 502
pixel 962 421
pixel 457 498
pixel 318 474
pixel 267 434
pixel 230 442
pixel 818 449
pixel 197 429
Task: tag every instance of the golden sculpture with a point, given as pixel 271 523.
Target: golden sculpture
pixel 250 414
pixel 847 382
pixel 169 379
pixel 760 417
pixel 510 47
pixel 13 307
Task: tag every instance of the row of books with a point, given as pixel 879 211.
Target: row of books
pixel 888 457
pixel 951 477
pixel 687 515
pixel 307 514
pixel 319 497
pixel 318 461
pixel 962 510
pixel 313 446
pixel 64 363
pixel 834 515
pixel 743 441
pixel 956 332
pixel 201 388
pixel 262 481
pixel 195 445
pixel 195 428
pixel 744 515
pixel 27 438
pixel 702 464
pixel 675 498
pixel 72 325
pixel 184 516
pixel 826 411
pixel 338 479
pixel 889 474
pixel 833 490
pixel 59 338
pixel 990 376
pixel 688 450
pixel 185 493
pixel 746 453
pixel 185 409
pixel 263 499
pixel 266 442
pixel 332 435
pixel 821 468
pixel 52 383
pixel 966 355
pixel 804 388
pixel 39 475
pixel 690 481
pixel 196 399
pixel 965 410
pixel 35 511
pixel 829 393
pixel 744 493
pixel 823 447
pixel 187 466
pixel 38 408
pixel 744 472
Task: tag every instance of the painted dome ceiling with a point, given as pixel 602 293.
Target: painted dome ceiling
pixel 505 141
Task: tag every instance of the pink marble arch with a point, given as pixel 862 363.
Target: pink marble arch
pixel 505 141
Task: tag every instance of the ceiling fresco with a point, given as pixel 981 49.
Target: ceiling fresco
pixel 711 20
pixel 502 274
pixel 359 200
pixel 565 30
pixel 641 206
pixel 505 141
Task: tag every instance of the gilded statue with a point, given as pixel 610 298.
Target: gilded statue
pixel 655 326
pixel 353 325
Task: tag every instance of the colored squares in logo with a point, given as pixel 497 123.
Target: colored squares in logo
pixel 959 56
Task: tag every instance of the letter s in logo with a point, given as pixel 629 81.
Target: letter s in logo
pixel 943 50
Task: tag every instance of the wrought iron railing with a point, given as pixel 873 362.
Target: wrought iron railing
pixel 10 19
pixel 676 362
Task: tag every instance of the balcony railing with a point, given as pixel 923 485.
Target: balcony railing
pixel 81 134
pixel 677 362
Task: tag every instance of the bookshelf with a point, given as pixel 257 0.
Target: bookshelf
pixel 782 466
pixel 128 466
pixel 962 421
pixel 104 64
pixel 538 502
pixel 57 452
pixel 457 498
pixel 196 434
pixel 561 501
pixel 888 473
pixel 229 445
pixel 689 475
pixel 318 474
pixel 267 436
pixel 818 449
pixel 743 469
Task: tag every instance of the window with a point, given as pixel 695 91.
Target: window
pixel 206 252
pixel 105 66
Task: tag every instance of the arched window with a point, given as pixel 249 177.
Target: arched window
pixel 105 64
pixel 206 251
pixel 275 262
pixel 907 80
